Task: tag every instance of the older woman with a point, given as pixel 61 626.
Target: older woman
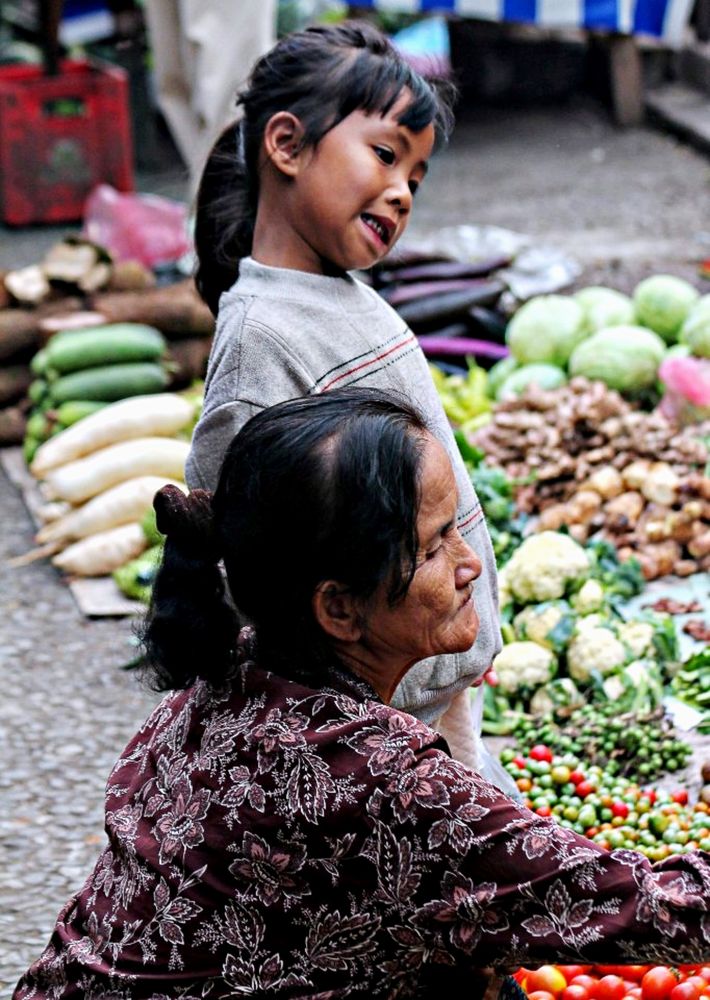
pixel 275 828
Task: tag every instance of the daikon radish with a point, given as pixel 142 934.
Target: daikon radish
pixel 102 553
pixel 54 510
pixel 118 505
pixel 160 415
pixel 149 456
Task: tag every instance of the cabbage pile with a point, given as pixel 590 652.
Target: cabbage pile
pixel 602 334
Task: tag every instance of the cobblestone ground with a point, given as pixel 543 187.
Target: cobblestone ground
pixel 66 712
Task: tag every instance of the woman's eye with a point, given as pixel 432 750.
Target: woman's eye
pixel 432 552
pixel 385 154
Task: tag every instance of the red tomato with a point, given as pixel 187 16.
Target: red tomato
pixel 608 988
pixel 685 991
pixel 698 982
pixel 544 811
pixel 620 809
pixel 634 993
pixel 574 993
pixel 588 982
pixel 585 788
pixel 541 752
pixel 547 978
pixel 704 971
pixel 541 995
pixel 681 796
pixel 520 762
pixel 575 777
pixel 570 971
pixel 658 983
pixel 635 972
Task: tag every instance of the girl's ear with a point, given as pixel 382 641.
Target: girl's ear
pixel 283 141
pixel 336 611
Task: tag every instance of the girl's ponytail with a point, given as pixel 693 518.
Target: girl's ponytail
pixel 190 630
pixel 225 217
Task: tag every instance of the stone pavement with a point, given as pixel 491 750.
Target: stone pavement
pixel 66 712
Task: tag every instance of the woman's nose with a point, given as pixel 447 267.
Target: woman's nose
pixel 469 567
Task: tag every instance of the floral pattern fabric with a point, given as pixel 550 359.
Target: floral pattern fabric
pixel 270 840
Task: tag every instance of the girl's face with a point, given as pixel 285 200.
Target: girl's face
pixel 351 197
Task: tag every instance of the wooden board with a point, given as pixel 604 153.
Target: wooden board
pixel 96 597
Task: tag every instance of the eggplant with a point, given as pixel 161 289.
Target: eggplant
pixel 398 295
pixel 433 345
pixel 425 315
pixel 488 324
pixel 445 270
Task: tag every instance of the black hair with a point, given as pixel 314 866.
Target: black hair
pixel 319 488
pixel 320 75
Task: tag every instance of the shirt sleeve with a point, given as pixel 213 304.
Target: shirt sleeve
pixel 503 887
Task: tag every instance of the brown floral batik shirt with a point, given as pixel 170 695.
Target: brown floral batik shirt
pixel 271 840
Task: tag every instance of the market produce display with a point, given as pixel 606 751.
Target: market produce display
pixel 76 286
pixel 598 466
pixel 100 476
pixel 615 982
pixel 609 809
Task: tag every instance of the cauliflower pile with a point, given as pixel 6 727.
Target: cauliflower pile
pixel 558 623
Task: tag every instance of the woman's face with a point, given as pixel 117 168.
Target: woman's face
pixel 437 614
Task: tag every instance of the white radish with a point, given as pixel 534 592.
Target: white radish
pixel 159 415
pixel 150 456
pixel 53 511
pixel 101 554
pixel 121 504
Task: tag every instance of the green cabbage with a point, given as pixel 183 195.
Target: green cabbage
pixel 499 373
pixel 604 307
pixel 625 357
pixel 545 376
pixel 695 331
pixel 662 304
pixel 546 329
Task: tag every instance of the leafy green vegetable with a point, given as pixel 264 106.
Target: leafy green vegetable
pixel 662 304
pixel 546 329
pixel 604 307
pixel 545 376
pixel 626 358
pixel 695 332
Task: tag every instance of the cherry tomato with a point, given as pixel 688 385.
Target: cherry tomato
pixel 541 995
pixel 544 811
pixel 657 983
pixel 585 788
pixel 697 981
pixel 635 972
pixel 541 752
pixel 635 993
pixel 685 991
pixel 680 796
pixel 588 982
pixel 704 971
pixel 547 977
pixel 608 988
pixel 574 993
pixel 570 971
pixel 576 776
pixel 620 809
pixel 520 762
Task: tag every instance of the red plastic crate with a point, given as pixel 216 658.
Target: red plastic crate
pixel 59 137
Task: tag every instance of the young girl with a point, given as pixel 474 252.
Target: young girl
pixel 316 180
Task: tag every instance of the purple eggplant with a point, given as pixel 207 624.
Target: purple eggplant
pixel 398 295
pixel 431 313
pixel 461 346
pixel 445 270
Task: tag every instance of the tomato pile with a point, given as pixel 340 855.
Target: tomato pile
pixel 615 982
pixel 610 810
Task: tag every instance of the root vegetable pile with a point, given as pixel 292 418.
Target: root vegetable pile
pixel 603 468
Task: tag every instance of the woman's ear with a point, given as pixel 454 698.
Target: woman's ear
pixel 336 611
pixel 283 141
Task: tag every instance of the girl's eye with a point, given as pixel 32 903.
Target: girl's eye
pixel 385 154
pixel 414 187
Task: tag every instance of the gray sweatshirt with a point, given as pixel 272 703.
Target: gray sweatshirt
pixel 282 334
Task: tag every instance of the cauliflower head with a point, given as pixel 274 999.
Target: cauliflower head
pixel 638 636
pixel 549 624
pixel 523 665
pixel 589 598
pixel 595 648
pixel 544 566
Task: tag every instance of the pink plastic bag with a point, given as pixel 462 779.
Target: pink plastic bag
pixel 686 399
pixel 142 227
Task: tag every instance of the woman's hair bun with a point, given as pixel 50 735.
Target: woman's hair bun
pixel 187 520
